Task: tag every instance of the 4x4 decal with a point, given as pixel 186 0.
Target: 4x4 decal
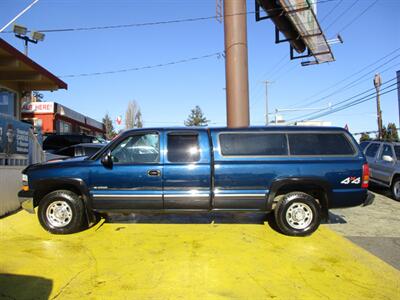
pixel 351 180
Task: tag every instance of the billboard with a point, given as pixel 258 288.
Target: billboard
pixel 14 136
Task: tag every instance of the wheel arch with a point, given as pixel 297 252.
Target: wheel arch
pixel 317 187
pixel 76 185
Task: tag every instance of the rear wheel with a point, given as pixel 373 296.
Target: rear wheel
pixel 297 214
pixel 396 188
pixel 61 212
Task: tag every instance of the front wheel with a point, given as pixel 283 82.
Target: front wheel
pixel 61 212
pixel 297 214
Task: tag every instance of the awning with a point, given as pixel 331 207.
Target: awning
pixel 20 72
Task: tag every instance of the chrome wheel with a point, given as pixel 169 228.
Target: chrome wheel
pixel 299 215
pixel 59 214
pixel 396 189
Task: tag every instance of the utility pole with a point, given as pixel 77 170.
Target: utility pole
pixel 378 83
pixel 266 102
pixel 236 63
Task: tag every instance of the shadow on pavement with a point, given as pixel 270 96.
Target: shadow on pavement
pixel 335 219
pixel 24 287
pixel 381 191
pixel 188 218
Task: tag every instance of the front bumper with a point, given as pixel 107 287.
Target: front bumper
pixel 26 200
pixel 369 200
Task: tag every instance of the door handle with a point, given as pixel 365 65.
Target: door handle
pixel 154 173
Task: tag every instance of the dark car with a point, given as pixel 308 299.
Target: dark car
pixel 298 173
pixel 55 142
pixel 87 149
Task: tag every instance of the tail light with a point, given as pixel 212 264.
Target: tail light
pixel 365 176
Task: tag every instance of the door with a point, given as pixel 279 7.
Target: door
pixel 187 170
pixel 371 153
pixel 135 179
pixel 384 169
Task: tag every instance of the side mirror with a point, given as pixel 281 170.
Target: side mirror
pixel 387 158
pixel 107 160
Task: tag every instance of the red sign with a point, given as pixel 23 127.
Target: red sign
pixel 119 120
pixel 38 107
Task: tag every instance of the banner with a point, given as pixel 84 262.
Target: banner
pixel 14 136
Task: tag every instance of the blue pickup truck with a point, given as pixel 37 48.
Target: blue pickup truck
pixel 296 172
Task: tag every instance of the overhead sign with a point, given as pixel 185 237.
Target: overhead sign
pixel 14 136
pixel 37 107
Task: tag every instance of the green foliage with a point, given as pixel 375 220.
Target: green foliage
pixel 196 118
pixel 109 127
pixel 390 133
pixel 365 137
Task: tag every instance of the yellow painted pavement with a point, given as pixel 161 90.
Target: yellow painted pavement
pixel 186 261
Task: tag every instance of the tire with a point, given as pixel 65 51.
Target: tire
pixel 395 189
pixel 308 214
pixel 62 212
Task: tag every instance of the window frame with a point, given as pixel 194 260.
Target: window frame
pixel 355 150
pixel 186 132
pixel 380 156
pixel 252 155
pixel 123 138
pixel 377 151
pixel 286 133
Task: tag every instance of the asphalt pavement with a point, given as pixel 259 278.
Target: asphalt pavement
pixel 376 227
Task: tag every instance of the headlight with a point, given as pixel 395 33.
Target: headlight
pixel 24 179
pixel 25 184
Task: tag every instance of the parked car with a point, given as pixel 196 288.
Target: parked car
pixel 78 150
pixel 384 161
pixel 296 172
pixel 55 142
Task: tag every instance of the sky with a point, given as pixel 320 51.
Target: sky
pixel 167 94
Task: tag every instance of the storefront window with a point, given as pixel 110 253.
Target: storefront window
pixel 7 102
pixel 65 127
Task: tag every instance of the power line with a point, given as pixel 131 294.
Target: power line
pixel 347 105
pixel 358 16
pixel 181 61
pixel 183 20
pixel 351 104
pixel 340 16
pixel 340 102
pixel 331 11
pixel 302 104
pixel 354 82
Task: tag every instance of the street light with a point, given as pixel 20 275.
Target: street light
pixel 21 33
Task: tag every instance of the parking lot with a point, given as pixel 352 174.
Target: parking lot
pixel 199 256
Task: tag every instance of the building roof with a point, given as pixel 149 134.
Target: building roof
pixel 18 70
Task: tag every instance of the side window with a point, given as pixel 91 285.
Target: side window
pixel 372 149
pixel 397 152
pixel 183 148
pixel 319 144
pixel 245 144
pixel 141 148
pixel 386 150
pixel 69 151
pixel 363 145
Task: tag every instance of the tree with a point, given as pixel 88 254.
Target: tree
pixel 390 133
pixel 109 127
pixel 133 116
pixel 365 137
pixel 196 118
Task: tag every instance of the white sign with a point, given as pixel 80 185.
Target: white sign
pixel 37 107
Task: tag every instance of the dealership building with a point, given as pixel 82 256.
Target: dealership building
pixel 53 117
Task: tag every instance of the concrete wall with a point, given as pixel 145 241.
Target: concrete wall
pixel 10 184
